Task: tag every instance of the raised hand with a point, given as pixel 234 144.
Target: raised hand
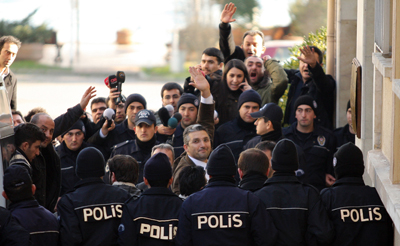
pixel 89 94
pixel 227 13
pixel 199 82
pixel 308 56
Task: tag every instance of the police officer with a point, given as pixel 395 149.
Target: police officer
pixel 90 214
pixel 296 208
pixel 317 143
pixel 68 150
pixel 152 219
pixel 140 148
pixel 19 189
pixel 356 210
pixel 221 213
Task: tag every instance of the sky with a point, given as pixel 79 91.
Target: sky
pixel 100 20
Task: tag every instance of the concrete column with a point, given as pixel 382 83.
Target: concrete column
pixel 346 42
pixel 364 50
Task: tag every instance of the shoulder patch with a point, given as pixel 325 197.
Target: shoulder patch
pixel 121 144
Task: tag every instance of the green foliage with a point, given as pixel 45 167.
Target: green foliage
pixel 24 31
pixel 244 11
pixel 317 39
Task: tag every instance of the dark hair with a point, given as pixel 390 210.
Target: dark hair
pixel 28 132
pixel 14 112
pixel 125 167
pixel 158 183
pixel 253 160
pixel 98 100
pixel 191 180
pixel 266 145
pixel 214 52
pixel 319 52
pixel 9 39
pixel 170 86
pixel 34 111
pixel 254 33
pixel 276 125
pixel 237 64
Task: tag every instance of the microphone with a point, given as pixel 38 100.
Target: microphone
pixel 109 115
pixel 174 120
pixel 164 115
pixel 170 109
pixel 120 79
pixel 112 81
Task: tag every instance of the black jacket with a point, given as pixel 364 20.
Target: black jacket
pixel 11 232
pixel 90 215
pixel 156 210
pixel 235 133
pixel 252 181
pixel 120 134
pixel 343 136
pixel 226 44
pixel 133 149
pixel 222 214
pixel 47 167
pixel 320 87
pixel 358 214
pixel 11 86
pixel 68 165
pixel 297 211
pixel 318 150
pixel 38 221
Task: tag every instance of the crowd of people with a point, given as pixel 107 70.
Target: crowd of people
pixel 219 164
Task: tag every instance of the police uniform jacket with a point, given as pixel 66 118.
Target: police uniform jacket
pixel 152 219
pixel 318 150
pixel 90 214
pixel 121 133
pixel 252 181
pixel 320 87
pixel 343 136
pixel 38 221
pixel 222 214
pixel 297 211
pixel 131 147
pixel 235 133
pixel 11 86
pixel 205 117
pixel 46 166
pixel 358 214
pixel 11 232
pixel 68 165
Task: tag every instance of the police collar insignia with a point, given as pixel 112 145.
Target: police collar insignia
pixel 321 140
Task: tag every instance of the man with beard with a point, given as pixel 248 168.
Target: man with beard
pixel 267 77
pixel 46 167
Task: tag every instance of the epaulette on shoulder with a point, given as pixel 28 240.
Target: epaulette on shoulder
pixel 121 144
